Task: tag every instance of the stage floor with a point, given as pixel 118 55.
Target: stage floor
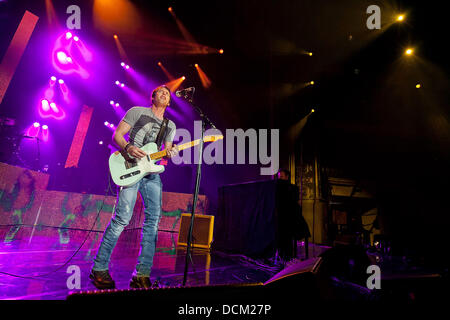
pixel 35 265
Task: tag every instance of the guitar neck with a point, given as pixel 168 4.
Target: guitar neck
pixel 163 153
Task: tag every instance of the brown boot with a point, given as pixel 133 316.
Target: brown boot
pixel 102 279
pixel 140 282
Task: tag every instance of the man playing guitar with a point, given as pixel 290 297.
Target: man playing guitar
pixel 144 126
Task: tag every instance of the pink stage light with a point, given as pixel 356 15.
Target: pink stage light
pixel 117 104
pixel 68 35
pixel 62 57
pixel 44 133
pixel 122 64
pixel 60 81
pixel 111 102
pixel 127 67
pixel 52 80
pixel 100 142
pixel 68 58
pixel 48 110
pixel 111 125
pixel 45 105
pixel 122 85
pixel 54 107
pixel 33 130
pixel 117 82
pixel 106 123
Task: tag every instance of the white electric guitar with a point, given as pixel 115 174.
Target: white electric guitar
pixel 126 170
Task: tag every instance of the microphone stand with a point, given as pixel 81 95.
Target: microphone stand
pixel 204 120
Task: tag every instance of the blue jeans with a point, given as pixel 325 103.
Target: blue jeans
pixel 150 188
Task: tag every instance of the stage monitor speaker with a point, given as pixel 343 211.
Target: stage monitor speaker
pixel 202 233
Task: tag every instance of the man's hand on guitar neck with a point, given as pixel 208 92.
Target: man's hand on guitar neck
pixel 172 151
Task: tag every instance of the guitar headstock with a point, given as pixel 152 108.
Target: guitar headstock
pixel 212 138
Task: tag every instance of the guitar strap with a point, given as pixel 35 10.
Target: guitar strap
pixel 161 132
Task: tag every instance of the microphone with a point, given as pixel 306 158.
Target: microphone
pixel 182 92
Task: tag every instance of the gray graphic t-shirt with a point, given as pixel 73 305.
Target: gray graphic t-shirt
pixel 145 126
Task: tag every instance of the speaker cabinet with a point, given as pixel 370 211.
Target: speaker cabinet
pixel 202 234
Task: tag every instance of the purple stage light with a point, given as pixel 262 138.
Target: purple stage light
pixel 111 102
pixel 64 53
pixel 47 110
pixel 44 127
pixel 122 85
pixel 54 107
pixel 106 123
pixel 127 67
pixel 117 82
pixel 100 142
pixel 117 104
pixel 122 64
pixel 62 57
pixel 76 38
pixel 52 81
pixel 45 105
pixel 111 125
pixel 60 81
pixel 68 35
pixel 36 124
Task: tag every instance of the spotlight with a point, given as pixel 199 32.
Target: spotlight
pixel 311 83
pixel 76 38
pixel 221 51
pixel 68 35
pixel 111 102
pixel 45 127
pixel 127 67
pixel 159 63
pixel 36 124
pixel 117 104
pixel 45 105
pixel 400 17
pixel 170 9
pixel 409 51
pixel 183 77
pixel 100 142
pixel 60 81
pixel 310 54
pixel 122 64
pixel 62 57
pixel 106 123
pixel 69 59
pixel 54 107
pixel 117 82
pixel 122 85
pixel 312 110
pixel 418 86
pixel 115 36
pixel 196 65
pixel 111 125
pixel 53 78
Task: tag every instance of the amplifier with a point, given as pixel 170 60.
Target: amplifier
pixel 202 234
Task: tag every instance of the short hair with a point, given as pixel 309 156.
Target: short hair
pixel 160 87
